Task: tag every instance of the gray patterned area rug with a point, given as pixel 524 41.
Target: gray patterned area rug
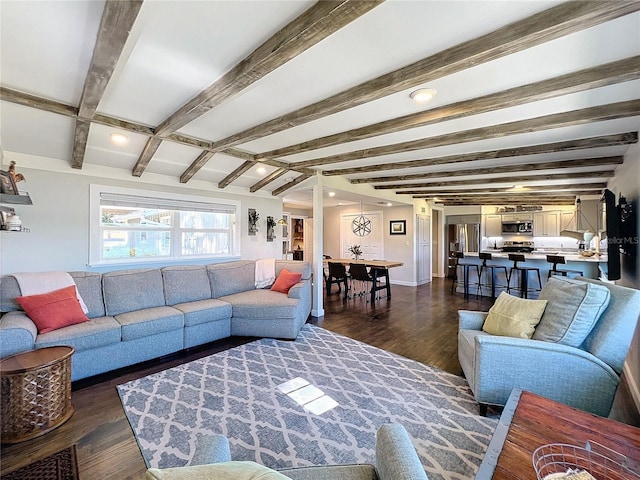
pixel 236 393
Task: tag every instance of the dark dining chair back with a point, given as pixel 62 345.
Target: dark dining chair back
pixel 337 275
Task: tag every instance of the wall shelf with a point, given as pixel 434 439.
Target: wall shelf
pixel 23 199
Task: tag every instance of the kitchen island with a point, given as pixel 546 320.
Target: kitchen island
pixel 589 266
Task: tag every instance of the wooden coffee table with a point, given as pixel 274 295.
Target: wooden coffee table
pixel 529 421
pixel 36 392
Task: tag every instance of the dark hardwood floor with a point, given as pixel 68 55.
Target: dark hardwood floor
pixel 419 323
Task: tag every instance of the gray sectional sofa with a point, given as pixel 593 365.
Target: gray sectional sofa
pixel 141 314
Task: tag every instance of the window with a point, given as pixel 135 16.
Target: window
pixel 132 226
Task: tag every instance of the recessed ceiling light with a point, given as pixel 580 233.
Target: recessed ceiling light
pixel 261 170
pixel 423 95
pixel 119 138
pixel 389 204
pixel 332 194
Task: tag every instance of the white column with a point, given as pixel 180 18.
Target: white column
pixel 317 308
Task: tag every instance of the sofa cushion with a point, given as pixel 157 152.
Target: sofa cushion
pixel 573 308
pixel 204 311
pixel 131 290
pixel 53 310
pixel 232 277
pixel 245 470
pixel 150 321
pixel 185 283
pixel 332 472
pixel 514 317
pixel 90 289
pixel 285 281
pixel 95 333
pixel 262 304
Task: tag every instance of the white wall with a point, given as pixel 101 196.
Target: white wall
pixel 627 182
pixel 59 222
pixel 395 246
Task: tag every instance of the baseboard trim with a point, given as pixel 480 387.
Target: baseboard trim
pixel 632 385
pixel 403 283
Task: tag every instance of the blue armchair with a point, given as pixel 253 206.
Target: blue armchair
pixel 584 376
pixel 396 459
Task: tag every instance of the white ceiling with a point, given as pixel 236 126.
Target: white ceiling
pixel 177 48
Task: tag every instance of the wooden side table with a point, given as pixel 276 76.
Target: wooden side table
pixel 36 393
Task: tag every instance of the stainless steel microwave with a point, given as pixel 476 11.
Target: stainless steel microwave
pixel 517 228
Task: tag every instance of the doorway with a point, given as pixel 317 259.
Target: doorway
pixel 372 245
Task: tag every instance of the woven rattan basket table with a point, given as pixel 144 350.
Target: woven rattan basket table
pixel 36 392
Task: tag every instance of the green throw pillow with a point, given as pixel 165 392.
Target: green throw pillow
pixel 573 309
pixel 219 471
pixel 513 316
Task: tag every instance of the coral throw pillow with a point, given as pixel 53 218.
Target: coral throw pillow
pixel 285 281
pixel 53 310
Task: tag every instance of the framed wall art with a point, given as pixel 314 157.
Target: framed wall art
pixel 398 227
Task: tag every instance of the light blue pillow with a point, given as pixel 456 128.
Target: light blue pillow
pixel 573 308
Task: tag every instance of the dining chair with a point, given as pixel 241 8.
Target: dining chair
pixel 360 274
pixel 337 275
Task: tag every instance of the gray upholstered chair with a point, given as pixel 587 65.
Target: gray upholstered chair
pixel 584 376
pixel 396 459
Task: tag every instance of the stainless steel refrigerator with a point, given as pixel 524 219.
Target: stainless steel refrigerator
pixel 464 237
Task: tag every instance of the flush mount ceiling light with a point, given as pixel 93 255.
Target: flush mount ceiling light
pixel 261 170
pixel 423 95
pixel 119 139
pixel 332 194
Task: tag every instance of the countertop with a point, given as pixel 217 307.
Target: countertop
pixel 542 255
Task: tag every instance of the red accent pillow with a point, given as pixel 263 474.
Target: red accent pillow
pixel 53 310
pixel 285 281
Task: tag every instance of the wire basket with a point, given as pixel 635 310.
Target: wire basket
pixel 556 460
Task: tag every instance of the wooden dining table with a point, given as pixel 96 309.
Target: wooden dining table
pixel 376 267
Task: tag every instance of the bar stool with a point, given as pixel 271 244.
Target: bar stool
pixel 556 259
pixel 456 256
pixel 484 257
pixel 524 275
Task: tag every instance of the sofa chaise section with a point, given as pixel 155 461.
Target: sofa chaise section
pixel 262 312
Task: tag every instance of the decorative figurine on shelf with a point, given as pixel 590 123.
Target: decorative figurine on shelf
pixel 17 177
pixel 355 251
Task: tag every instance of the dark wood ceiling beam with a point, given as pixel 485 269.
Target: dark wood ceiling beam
pixel 312 26
pixel 267 180
pixel 615 72
pixel 465 195
pixel 235 174
pixel 485 181
pixel 27 100
pixel 557 147
pixel 148 152
pixel 570 186
pixel 546 122
pixel 524 167
pixel 301 178
pixel 568 200
pixel 116 22
pixel 555 22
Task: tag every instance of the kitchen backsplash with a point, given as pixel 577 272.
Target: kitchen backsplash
pixel 556 243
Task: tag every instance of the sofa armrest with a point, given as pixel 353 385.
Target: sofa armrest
pixel 396 458
pixel 298 290
pixel 471 320
pixel 211 449
pixel 566 374
pixel 17 333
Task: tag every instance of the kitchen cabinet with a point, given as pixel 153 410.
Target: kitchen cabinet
pixel 493 225
pixel 568 220
pixel 457 219
pixel 546 224
pixel 517 217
